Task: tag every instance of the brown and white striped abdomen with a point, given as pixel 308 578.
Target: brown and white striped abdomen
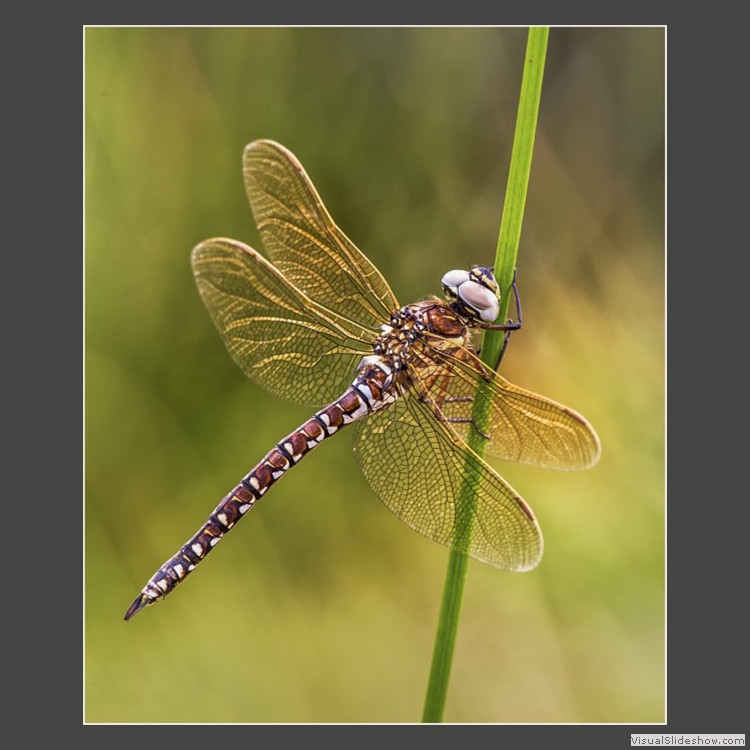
pixel 370 391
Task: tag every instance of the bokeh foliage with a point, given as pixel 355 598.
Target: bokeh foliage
pixel 322 607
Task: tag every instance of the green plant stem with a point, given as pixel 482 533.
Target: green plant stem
pixel 505 264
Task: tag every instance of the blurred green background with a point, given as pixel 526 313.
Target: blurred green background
pixel 322 607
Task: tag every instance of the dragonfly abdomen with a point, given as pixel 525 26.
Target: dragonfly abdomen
pixel 366 394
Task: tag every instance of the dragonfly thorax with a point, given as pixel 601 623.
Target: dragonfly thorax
pixel 473 294
pixel 418 332
pixel 397 336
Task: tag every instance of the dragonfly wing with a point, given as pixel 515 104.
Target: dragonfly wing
pixel 274 332
pixel 523 426
pixel 305 244
pixel 425 474
pixel 534 429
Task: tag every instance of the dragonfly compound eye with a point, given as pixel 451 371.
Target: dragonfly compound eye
pixel 452 280
pixel 481 300
pixel 477 292
pixel 485 277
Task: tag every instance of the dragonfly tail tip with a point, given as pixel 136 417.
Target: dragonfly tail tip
pixel 140 602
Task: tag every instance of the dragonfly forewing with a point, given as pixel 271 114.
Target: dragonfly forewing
pixel 303 241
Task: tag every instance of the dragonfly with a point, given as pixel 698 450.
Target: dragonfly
pixel 317 323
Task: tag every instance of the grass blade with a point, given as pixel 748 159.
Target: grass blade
pixel 505 263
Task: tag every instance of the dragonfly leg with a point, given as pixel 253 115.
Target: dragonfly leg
pixel 467 420
pixel 461 420
pixel 438 404
pixel 510 325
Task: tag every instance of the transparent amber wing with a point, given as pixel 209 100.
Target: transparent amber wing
pixel 280 338
pixel 524 427
pixel 422 471
pixel 304 243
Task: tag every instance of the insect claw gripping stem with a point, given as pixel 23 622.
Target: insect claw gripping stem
pixel 511 325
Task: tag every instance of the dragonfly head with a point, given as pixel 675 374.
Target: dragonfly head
pixel 474 294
